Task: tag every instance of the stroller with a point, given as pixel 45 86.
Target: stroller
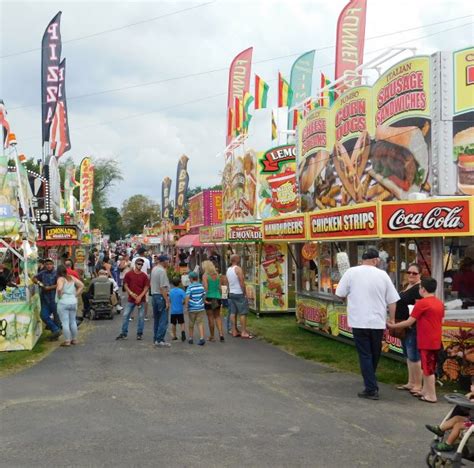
pixel 465 449
pixel 100 305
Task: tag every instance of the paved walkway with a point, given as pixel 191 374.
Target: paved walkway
pixel 238 403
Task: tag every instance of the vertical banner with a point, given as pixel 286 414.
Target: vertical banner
pixel 60 142
pixel 301 78
pixel 350 43
pixel 239 84
pixel 182 181
pixel 401 152
pixel 86 191
pixel 70 184
pixel 54 190
pixel 463 119
pixel 165 198
pixel 5 126
pixel 50 57
pixel 315 172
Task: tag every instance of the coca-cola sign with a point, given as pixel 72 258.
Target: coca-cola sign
pixel 439 217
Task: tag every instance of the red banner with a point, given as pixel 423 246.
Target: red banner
pixel 245 232
pixel 358 222
pixel 284 228
pixel 438 217
pixel 350 43
pixel 239 83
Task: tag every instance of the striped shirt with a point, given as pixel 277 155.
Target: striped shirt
pixel 196 293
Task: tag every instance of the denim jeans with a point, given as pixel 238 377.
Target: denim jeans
pixel 67 315
pixel 409 345
pixel 127 311
pixel 160 317
pixel 48 309
pixel 368 342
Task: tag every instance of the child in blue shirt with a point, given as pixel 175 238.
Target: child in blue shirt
pixel 195 294
pixel 177 297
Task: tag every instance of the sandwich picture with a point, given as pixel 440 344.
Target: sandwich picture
pixel 463 147
pixel 399 156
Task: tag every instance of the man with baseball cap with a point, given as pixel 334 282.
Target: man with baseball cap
pixel 369 292
pixel 160 286
pixel 46 279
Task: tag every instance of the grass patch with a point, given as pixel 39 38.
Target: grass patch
pixel 282 331
pixel 15 361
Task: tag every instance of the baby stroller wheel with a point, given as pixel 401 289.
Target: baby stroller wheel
pixel 430 459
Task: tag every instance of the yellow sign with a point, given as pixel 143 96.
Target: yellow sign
pixel 403 91
pixel 463 63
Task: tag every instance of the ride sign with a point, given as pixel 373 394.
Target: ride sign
pixel 438 217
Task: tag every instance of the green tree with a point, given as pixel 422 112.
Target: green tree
pixel 114 225
pixel 106 174
pixel 138 211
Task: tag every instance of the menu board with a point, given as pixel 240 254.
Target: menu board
pixel 274 277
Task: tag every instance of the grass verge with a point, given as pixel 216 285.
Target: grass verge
pixel 282 331
pixel 12 362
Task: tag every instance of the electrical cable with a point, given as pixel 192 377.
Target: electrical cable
pixel 193 75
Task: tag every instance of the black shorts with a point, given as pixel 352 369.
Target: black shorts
pixel 177 318
pixel 213 304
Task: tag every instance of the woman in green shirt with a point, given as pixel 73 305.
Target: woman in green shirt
pixel 212 282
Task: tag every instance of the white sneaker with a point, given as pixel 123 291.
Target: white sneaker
pixel 163 344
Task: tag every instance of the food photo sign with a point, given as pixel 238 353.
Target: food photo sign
pixel 373 144
pixel 277 189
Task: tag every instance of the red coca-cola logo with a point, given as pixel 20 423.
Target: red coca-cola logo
pixel 443 216
pixel 440 217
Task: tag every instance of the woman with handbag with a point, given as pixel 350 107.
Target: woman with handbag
pixel 408 296
pixel 211 281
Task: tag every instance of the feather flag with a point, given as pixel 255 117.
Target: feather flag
pixel 238 116
pixel 274 126
pixel 261 93
pixel 285 94
pixel 296 118
pixel 248 99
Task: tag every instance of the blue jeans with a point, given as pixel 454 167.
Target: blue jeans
pixel 160 317
pixel 67 315
pixel 127 311
pixel 48 309
pixel 368 342
pixel 410 348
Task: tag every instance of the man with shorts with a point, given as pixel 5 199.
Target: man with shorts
pixel 238 303
pixel 194 304
pixel 160 287
pixel 428 315
pixel 369 293
pixel 177 298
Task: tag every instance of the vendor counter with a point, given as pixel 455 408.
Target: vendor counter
pixel 326 314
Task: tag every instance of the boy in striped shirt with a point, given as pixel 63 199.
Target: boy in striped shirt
pixel 194 304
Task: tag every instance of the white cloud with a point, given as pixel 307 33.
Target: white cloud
pixel 148 147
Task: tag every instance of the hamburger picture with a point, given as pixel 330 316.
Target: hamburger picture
pixel 463 143
pixel 393 157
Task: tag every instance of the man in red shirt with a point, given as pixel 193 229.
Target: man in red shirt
pixel 136 284
pixel 428 314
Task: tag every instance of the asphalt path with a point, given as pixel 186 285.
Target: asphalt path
pixel 238 403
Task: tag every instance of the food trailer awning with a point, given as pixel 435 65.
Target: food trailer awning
pixel 51 243
pixel 190 240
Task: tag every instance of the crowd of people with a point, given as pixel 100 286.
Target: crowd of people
pixel 196 289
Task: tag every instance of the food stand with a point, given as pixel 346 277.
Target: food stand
pixel 381 168
pixel 20 324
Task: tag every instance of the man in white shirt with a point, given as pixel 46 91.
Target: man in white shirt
pixel 369 291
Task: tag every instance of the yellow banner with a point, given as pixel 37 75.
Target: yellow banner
pixel 463 63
